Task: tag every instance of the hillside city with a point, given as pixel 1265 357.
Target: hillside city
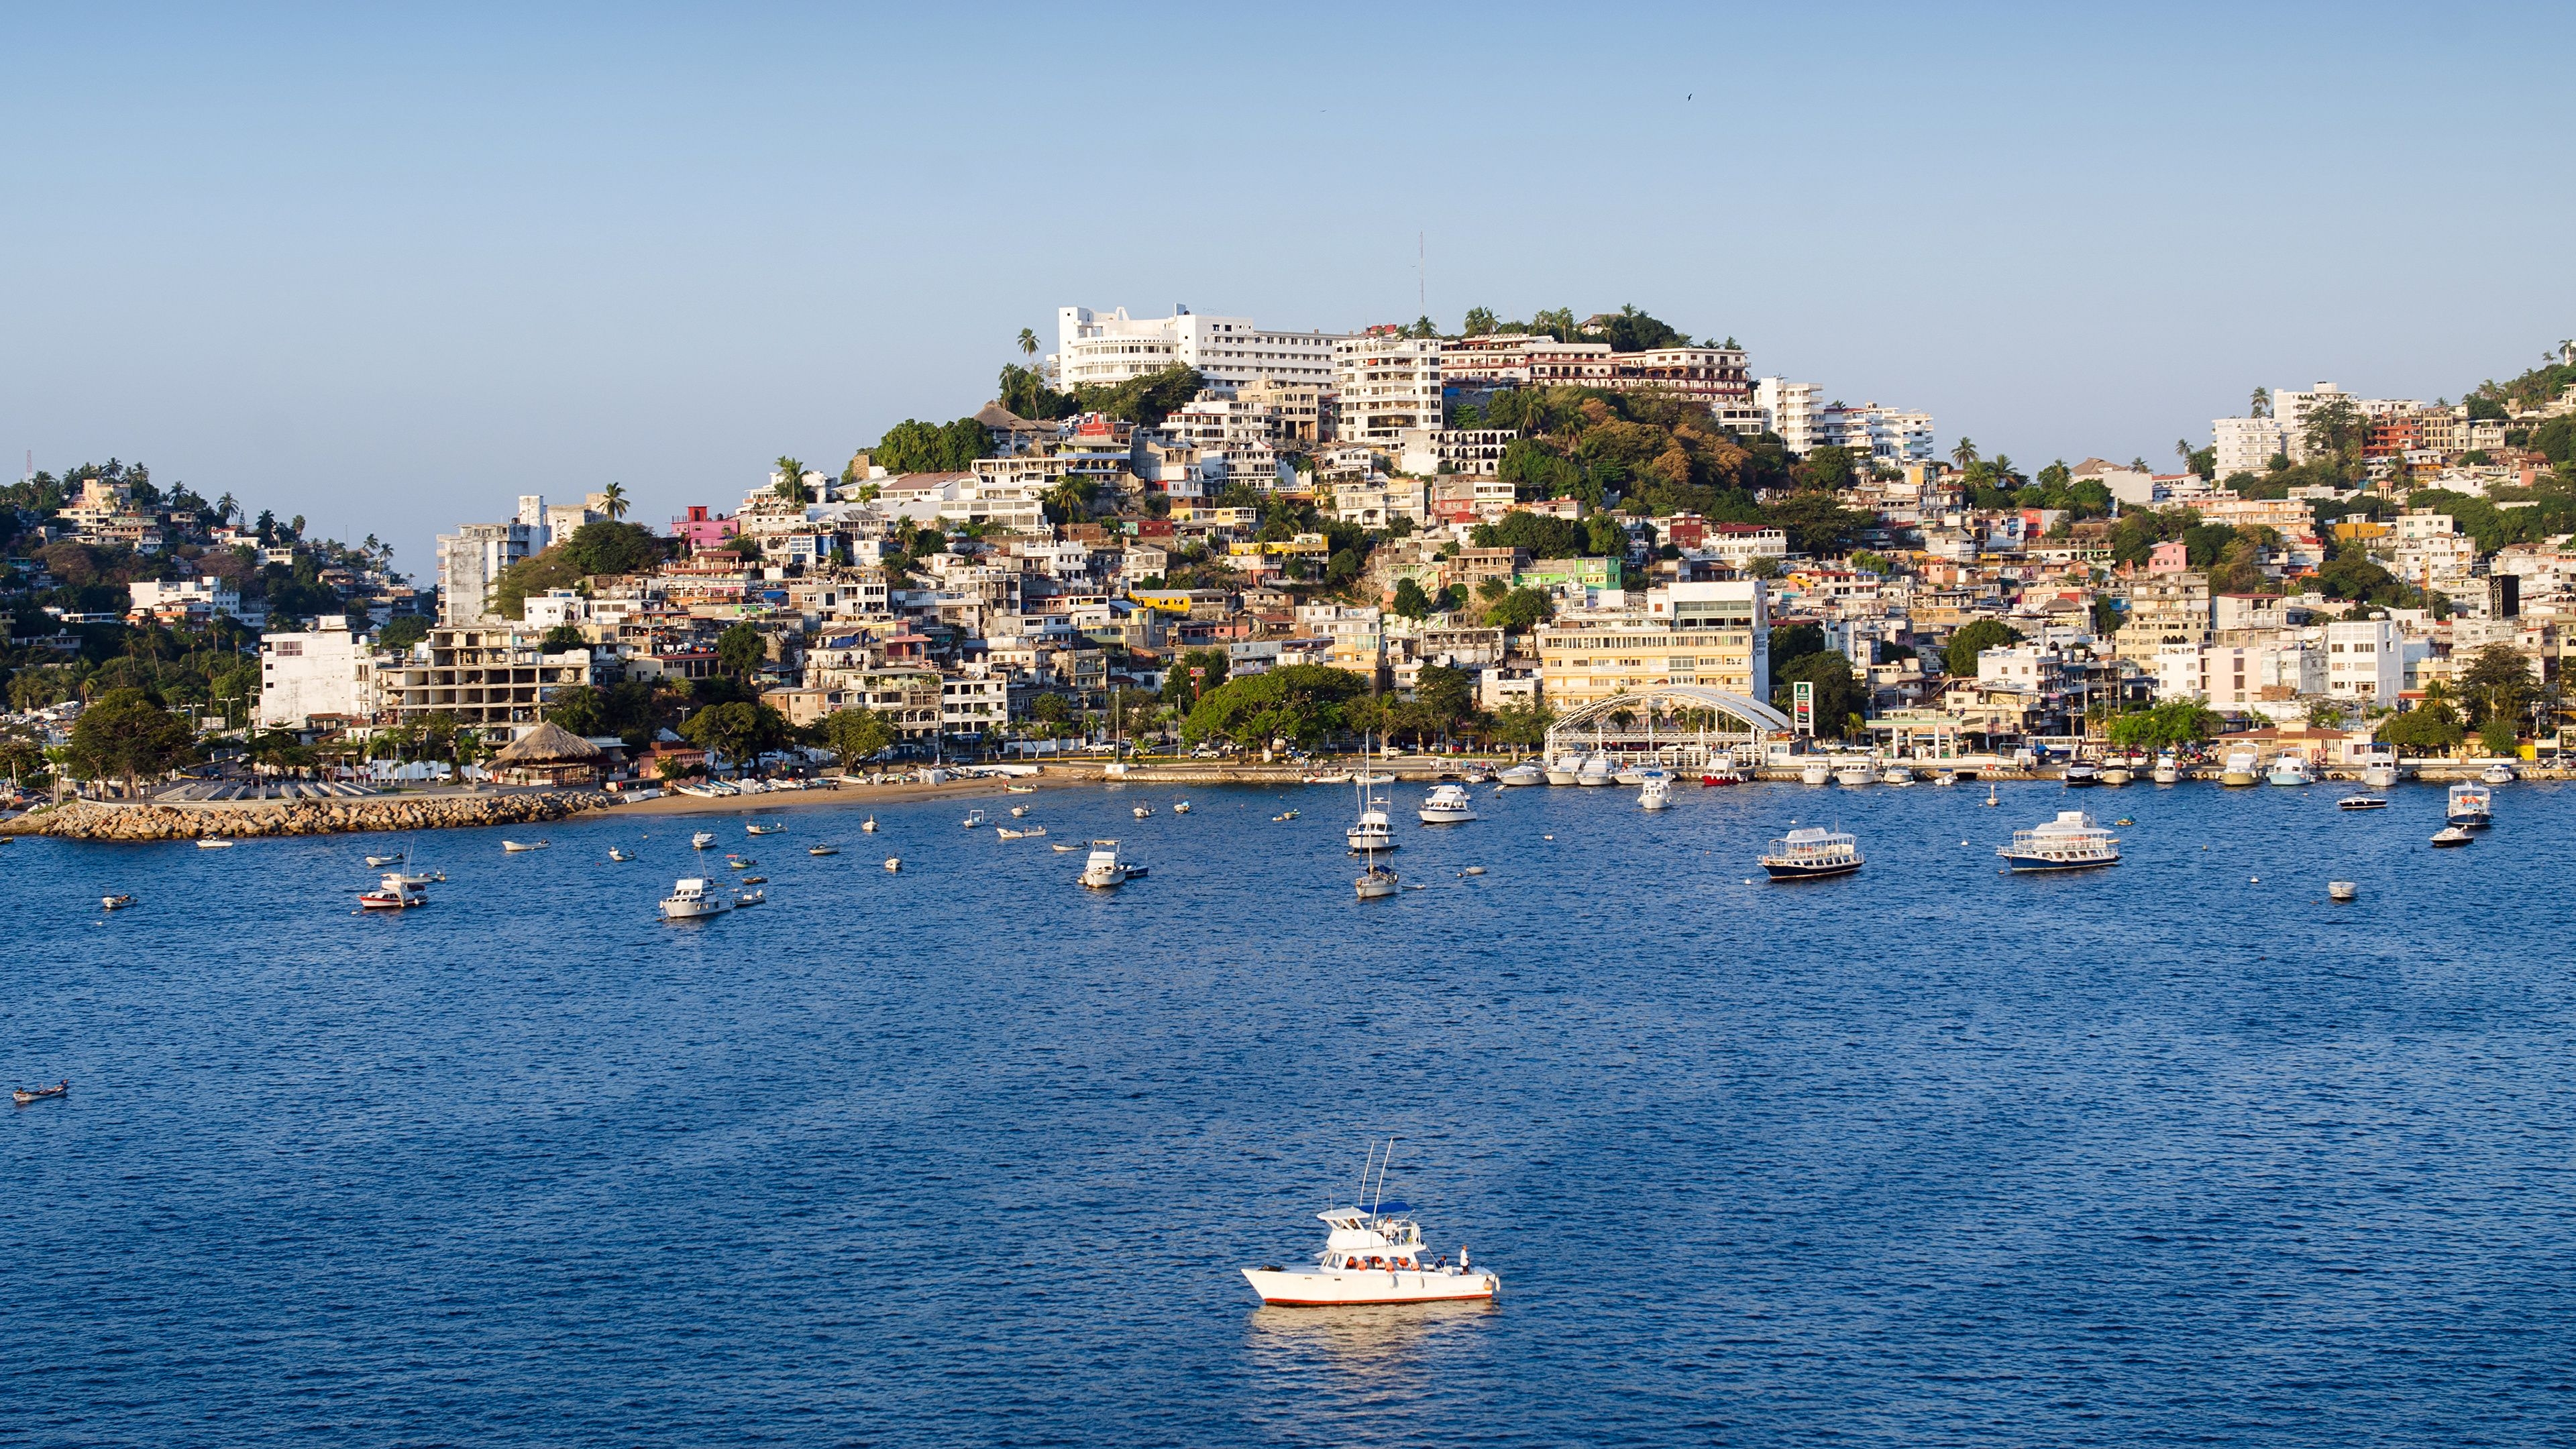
pixel 1195 530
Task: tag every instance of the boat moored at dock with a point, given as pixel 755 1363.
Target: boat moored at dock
pixel 2240 768
pixel 2070 842
pixel 2291 770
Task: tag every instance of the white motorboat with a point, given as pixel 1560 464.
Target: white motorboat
pixel 973 819
pixel 2342 890
pixel 749 898
pixel 2117 774
pixel 1019 812
pixel 2498 775
pixel 394 892
pixel 2379 776
pixel 1897 775
pixel 1853 775
pixel 379 862
pixel 1181 807
pixel 754 828
pixel 868 825
pixel 1633 775
pixel 822 850
pixel 2450 835
pixel 691 900
pixel 1945 777
pixel 1521 775
pixel 618 855
pixel 1447 805
pixel 2168 771
pixel 2070 842
pixel 115 903
pixel 2471 807
pixel 1596 770
pixel 2241 767
pixel 1815 772
pixel 1715 775
pixel 1333 777
pixel 894 864
pixel 1812 853
pixel 1103 871
pixel 2290 770
pixel 1655 792
pixel 1372 1255
pixel 2362 802
pixel 702 840
pixel 2080 774
pixel 515 846
pixel 214 843
pixel 1560 771
pixel 1382 777
pixel 1143 812
pixel 1019 789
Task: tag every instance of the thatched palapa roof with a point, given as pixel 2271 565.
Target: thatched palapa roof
pixel 548 744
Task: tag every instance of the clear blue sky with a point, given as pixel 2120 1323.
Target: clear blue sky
pixel 390 270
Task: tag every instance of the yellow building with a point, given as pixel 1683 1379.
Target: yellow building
pixel 1713 634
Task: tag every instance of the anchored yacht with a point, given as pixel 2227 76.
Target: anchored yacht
pixel 1812 852
pixel 2471 806
pixel 1372 1255
pixel 1655 791
pixel 1447 805
pixel 690 900
pixel 1104 871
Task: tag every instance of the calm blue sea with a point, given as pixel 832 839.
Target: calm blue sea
pixel 2177 1152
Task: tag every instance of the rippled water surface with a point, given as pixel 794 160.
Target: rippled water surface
pixel 2174 1152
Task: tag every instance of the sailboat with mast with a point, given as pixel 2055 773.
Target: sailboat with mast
pixel 1375 830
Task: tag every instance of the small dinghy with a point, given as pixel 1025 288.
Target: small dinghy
pixel 869 825
pixel 1019 812
pixel 616 854
pixel 823 850
pixel 974 819
pixel 1066 849
pixel 1473 870
pixel 1183 808
pixel 22 1096
pixel 1284 815
pixel 750 898
pixel 379 862
pixel 1021 789
pixel 213 844
pixel 515 846
pixel 894 863
pixel 702 840
pixel 2362 802
pixel 2450 835
pixel 762 829
pixel 1144 812
pixel 753 880
pixel 114 903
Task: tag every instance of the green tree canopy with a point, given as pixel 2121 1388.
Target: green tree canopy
pixel 606 546
pixel 741 650
pixel 1300 702
pixel 126 733
pixel 1959 657
pixel 1542 535
pixel 1520 610
pixel 1147 399
pixel 2430 728
pixel 2498 685
pixel 858 734
pixel 1410 601
pixel 2165 726
pixel 1181 689
pixel 1839 697
pixel 1523 724
pixel 913 446
pixel 738 731
pixel 402 631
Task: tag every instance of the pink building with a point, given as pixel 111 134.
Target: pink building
pixel 2168 558
pixel 702 529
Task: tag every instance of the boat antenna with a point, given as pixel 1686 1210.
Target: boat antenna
pixel 1381 1177
pixel 1366 1162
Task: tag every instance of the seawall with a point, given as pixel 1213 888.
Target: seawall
pixel 145 821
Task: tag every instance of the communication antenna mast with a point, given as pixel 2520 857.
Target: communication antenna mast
pixel 1421 283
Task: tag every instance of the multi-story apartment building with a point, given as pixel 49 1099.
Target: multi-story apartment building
pixel 1790 411
pixel 2245 445
pixel 2365 660
pixel 192 600
pixel 1293 411
pixel 1095 348
pixel 492 677
pixel 1711 375
pixel 1385 384
pixel 2165 610
pixel 472 559
pixel 1882 435
pixel 1716 634
pixel 325 670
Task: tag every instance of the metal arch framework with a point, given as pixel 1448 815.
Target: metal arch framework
pixel 1754 714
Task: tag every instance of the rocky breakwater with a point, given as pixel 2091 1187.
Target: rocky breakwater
pixel 113 821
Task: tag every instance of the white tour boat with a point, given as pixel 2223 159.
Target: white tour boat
pixel 690 900
pixel 1104 871
pixel 1372 1255
pixel 2471 806
pixel 2070 842
pixel 1447 805
pixel 1811 853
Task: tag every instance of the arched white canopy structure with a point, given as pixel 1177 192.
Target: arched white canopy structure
pixel 1671 722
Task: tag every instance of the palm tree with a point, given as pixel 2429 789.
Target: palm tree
pixel 791 480
pixel 1964 454
pixel 612 500
pixel 2006 475
pixel 2182 450
pixel 2261 406
pixel 1028 343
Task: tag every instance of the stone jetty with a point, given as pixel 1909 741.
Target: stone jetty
pixel 147 820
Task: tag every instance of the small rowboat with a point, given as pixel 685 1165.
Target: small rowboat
pixel 22 1096
pixel 379 862
pixel 869 825
pixel 753 880
pixel 1020 789
pixel 762 829
pixel 616 854
pixel 750 898
pixel 514 846
pixel 1066 849
pixel 211 843
pixel 114 903
pixel 823 850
